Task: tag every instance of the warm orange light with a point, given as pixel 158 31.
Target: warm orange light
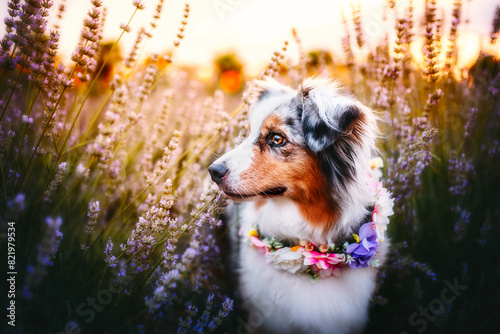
pixel 468 46
pixel 231 81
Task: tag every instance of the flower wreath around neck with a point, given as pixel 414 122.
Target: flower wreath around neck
pixel 321 261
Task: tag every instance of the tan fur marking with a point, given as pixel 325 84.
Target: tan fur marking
pixel 260 204
pixel 273 122
pixel 297 170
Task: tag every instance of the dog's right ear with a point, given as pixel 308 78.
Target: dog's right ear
pixel 326 114
pixel 268 87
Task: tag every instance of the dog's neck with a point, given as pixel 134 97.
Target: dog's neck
pixel 284 219
pixel 318 208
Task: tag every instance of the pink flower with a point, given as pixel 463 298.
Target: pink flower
pixel 333 270
pixel 259 244
pixel 321 260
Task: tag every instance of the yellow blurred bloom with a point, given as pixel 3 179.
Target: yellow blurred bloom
pixel 376 163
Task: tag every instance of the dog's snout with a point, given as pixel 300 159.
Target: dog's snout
pixel 217 172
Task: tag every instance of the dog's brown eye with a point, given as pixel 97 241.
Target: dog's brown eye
pixel 277 140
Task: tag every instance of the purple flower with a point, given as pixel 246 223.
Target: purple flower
pixel 363 251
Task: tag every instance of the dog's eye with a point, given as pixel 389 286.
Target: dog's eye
pixel 276 139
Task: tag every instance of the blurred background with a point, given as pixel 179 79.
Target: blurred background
pixel 109 122
pixel 253 29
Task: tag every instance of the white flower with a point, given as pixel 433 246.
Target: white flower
pixel 376 164
pixel 189 254
pixel 82 171
pixel 160 294
pixel 386 202
pixel 27 120
pixel 383 209
pixel 286 259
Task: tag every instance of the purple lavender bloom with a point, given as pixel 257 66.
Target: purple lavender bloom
pixel 363 251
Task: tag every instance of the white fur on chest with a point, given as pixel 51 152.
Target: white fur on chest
pixel 280 218
pixel 280 302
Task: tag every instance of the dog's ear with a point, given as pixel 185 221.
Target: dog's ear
pixel 267 87
pixel 326 115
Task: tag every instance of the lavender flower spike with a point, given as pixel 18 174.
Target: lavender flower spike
pixel 46 251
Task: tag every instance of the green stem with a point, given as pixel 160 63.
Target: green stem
pixel 5 72
pixel 23 175
pixel 116 218
pixel 392 118
pixel 23 130
pixel 128 260
pixel 157 264
pixel 96 115
pixel 113 221
pixel 66 118
pixel 11 93
pixel 61 151
pixel 3 183
pixel 89 89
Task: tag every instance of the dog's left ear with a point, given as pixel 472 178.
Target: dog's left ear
pixel 326 115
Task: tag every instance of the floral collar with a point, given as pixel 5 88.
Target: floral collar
pixel 325 260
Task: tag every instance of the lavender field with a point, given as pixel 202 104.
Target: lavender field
pixel 109 222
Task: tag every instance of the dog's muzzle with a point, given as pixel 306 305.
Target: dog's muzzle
pixel 217 172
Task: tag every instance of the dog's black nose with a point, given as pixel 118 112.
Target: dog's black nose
pixel 217 172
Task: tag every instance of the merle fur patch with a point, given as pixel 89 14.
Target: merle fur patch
pixel 332 139
pixel 320 133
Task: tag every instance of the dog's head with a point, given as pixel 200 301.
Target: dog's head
pixel 308 146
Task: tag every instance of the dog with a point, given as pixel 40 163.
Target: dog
pixel 311 213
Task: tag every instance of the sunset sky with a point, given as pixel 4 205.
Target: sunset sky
pixel 255 28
